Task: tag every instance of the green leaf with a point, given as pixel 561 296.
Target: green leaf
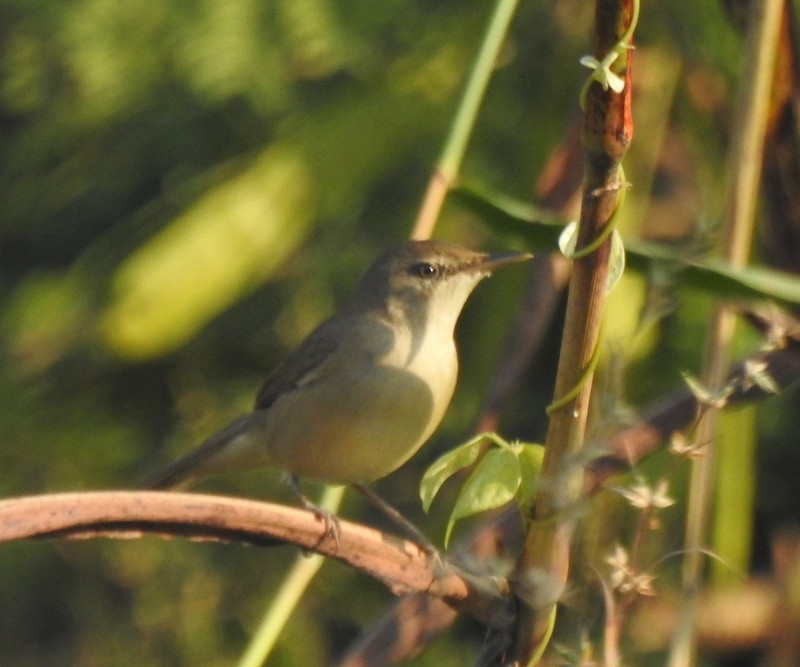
pixel 231 240
pixel 512 218
pixel 530 463
pixel 445 466
pixel 492 484
pixel 517 221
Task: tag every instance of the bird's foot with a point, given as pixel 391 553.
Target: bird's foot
pixel 331 521
pixel 332 527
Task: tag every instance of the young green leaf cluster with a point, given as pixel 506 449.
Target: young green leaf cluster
pixel 506 472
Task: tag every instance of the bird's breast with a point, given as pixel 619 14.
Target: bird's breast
pixel 430 356
pixel 369 416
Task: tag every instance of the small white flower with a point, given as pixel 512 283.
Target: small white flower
pixel 640 495
pixel 602 73
pixel 643 584
pixel 620 572
pixel 624 579
pixel 711 398
pixel 681 446
pixel 660 497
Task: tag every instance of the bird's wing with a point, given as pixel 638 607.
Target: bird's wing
pixel 303 365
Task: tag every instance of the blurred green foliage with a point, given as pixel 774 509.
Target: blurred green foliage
pixel 187 188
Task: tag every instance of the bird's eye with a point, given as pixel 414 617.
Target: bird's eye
pixel 424 270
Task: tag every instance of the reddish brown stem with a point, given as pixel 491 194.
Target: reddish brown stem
pixel 543 566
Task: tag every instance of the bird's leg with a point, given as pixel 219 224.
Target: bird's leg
pixel 330 520
pixel 397 518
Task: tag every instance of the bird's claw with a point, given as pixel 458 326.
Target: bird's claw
pixel 333 528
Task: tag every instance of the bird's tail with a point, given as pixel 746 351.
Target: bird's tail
pixel 225 450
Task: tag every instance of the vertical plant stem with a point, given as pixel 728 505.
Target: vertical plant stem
pixel 285 600
pixel 449 165
pixel 543 566
pixel 744 170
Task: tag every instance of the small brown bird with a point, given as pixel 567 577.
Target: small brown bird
pixel 368 387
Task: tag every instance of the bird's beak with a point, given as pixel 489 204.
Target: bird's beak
pixel 491 263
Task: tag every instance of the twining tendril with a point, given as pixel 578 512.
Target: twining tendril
pixel 566 398
pixel 617 260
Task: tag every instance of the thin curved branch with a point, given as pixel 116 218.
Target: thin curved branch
pixel 403 566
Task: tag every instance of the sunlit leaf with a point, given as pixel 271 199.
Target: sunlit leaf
pixel 231 240
pixel 445 466
pixel 492 484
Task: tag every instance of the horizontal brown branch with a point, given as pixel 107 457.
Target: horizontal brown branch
pixel 403 566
